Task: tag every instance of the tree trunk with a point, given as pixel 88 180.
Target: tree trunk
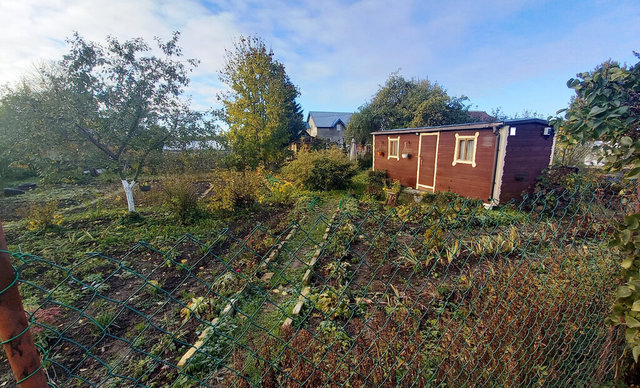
pixel 128 192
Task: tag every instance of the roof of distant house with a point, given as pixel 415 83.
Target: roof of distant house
pixel 329 119
pixel 480 115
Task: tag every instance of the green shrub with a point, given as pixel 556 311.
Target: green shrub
pixel 44 216
pixel 218 345
pixel 280 191
pixel 200 307
pixel 497 243
pixel 13 171
pixel 236 189
pixel 366 161
pixel 333 303
pixel 131 218
pixel 559 179
pixel 561 188
pixel 182 199
pixel 376 182
pixel 504 216
pixel 321 170
pixel 434 238
pixel 338 245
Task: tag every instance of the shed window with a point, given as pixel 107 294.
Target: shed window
pixel 394 147
pixel 465 152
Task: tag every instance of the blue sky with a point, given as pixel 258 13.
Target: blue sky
pixel 513 54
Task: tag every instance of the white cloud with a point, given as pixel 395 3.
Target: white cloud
pixel 38 29
pixel 338 52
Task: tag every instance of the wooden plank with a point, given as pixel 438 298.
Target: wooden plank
pixel 307 274
pixel 205 333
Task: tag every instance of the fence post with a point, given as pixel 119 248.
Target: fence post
pixel 14 334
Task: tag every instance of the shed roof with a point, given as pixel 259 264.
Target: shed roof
pixel 329 119
pixel 458 127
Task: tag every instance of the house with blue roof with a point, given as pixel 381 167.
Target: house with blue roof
pixel 328 125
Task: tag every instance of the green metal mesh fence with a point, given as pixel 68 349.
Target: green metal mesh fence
pixel 440 293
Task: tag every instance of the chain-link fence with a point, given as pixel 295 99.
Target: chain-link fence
pixel 441 292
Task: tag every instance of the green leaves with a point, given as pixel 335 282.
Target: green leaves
pixel 606 109
pixel 627 263
pixel 623 292
pixel 402 103
pixel 631 321
pixel 632 222
pixel 626 310
pixel 634 173
pixel 596 110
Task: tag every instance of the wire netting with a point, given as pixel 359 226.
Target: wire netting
pixel 441 292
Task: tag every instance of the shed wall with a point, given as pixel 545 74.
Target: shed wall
pixel 403 170
pixel 528 153
pixel 464 179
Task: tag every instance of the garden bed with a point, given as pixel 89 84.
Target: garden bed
pixel 434 293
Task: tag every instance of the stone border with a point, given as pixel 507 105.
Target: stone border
pixel 278 248
pixel 307 275
pixel 205 333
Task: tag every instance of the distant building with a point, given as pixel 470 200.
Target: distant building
pixel 481 116
pixel 328 126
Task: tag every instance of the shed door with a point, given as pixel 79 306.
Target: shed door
pixel 427 160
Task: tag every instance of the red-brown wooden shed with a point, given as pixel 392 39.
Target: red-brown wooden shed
pixel 494 162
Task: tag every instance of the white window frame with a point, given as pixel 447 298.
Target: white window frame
pixel 389 141
pixel 459 139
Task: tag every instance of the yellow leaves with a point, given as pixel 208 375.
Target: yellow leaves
pixel 260 105
pixel 234 189
pixel 43 216
pixel 280 191
pixel 199 307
